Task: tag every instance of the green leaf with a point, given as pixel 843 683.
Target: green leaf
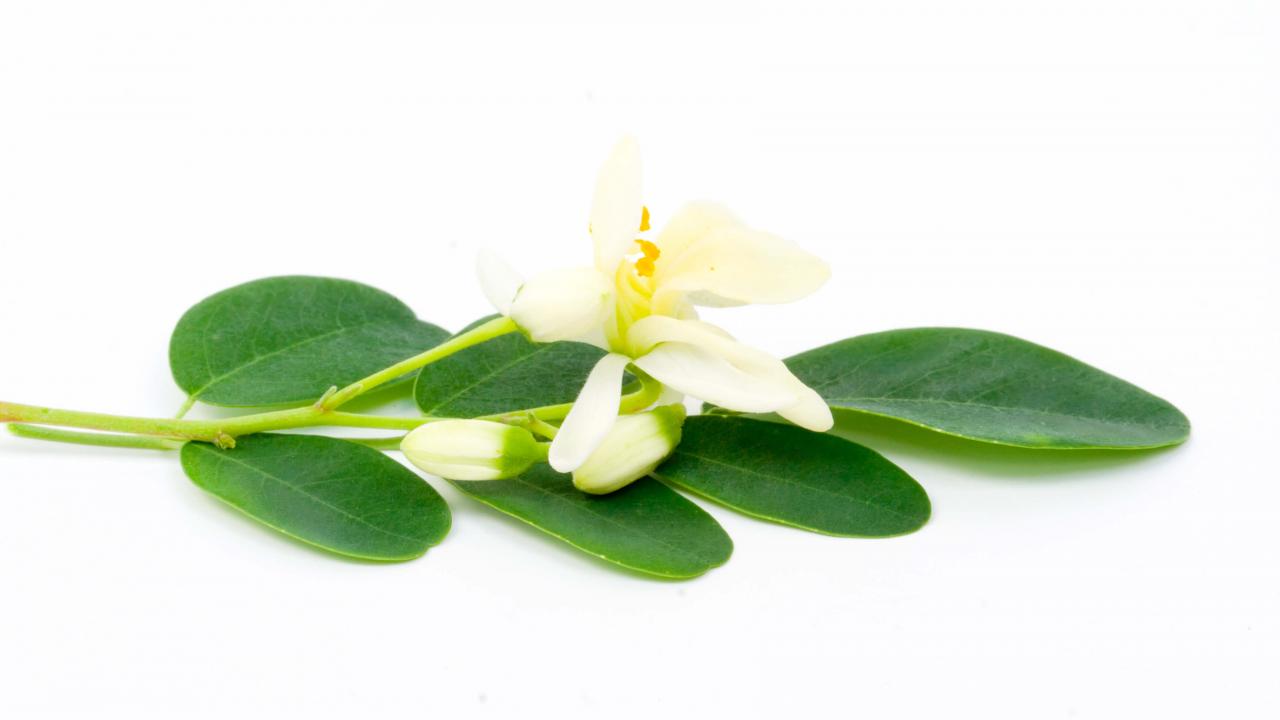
pixel 285 340
pixel 645 526
pixel 506 373
pixel 989 387
pixel 331 493
pixel 796 477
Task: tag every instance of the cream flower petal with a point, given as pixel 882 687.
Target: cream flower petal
pixel 562 305
pixel 617 206
pixel 737 265
pixel 655 329
pixel 592 416
pixel 806 408
pixel 810 412
pixel 669 396
pixel 691 223
pixel 498 280
pixel 691 369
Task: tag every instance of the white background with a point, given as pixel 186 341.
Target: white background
pixel 1100 176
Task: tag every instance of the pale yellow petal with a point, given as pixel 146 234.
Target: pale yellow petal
pixel 498 280
pixel 695 371
pixel 691 223
pixel 762 372
pixel 617 207
pixel 733 265
pixel 809 411
pixel 562 305
pixel 655 329
pixel 592 416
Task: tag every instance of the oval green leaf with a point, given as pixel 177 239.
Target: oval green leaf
pixel 506 373
pixel 337 495
pixel 285 340
pixel 989 387
pixel 645 526
pixel 796 477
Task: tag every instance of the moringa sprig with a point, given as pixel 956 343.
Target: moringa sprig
pixel 568 410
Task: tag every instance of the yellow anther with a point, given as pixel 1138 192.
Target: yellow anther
pixel 644 265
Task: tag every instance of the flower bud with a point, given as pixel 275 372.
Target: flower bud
pixel 633 448
pixel 472 449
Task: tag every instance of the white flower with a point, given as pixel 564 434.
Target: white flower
pixel 633 448
pixel 472 449
pixel 638 302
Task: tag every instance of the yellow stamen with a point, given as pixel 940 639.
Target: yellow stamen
pixel 644 265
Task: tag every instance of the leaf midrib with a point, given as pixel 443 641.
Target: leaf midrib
pixel 962 403
pixel 228 458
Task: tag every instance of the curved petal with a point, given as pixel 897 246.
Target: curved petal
pixel 691 223
pixel 764 372
pixel 562 305
pixel 695 371
pixel 669 396
pixel 617 208
pixel 810 412
pixel 592 416
pixel 655 329
pixel 736 265
pixel 498 280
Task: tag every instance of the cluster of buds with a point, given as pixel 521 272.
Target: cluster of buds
pixel 485 450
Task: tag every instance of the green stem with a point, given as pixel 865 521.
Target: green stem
pixel 380 443
pixel 385 422
pixel 474 336
pixel 222 432
pixel 35 432
pixel 187 404
pixel 528 421
pixel 648 393
pixel 542 427
pixel 144 442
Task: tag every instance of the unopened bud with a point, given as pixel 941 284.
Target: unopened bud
pixel 633 448
pixel 472 449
